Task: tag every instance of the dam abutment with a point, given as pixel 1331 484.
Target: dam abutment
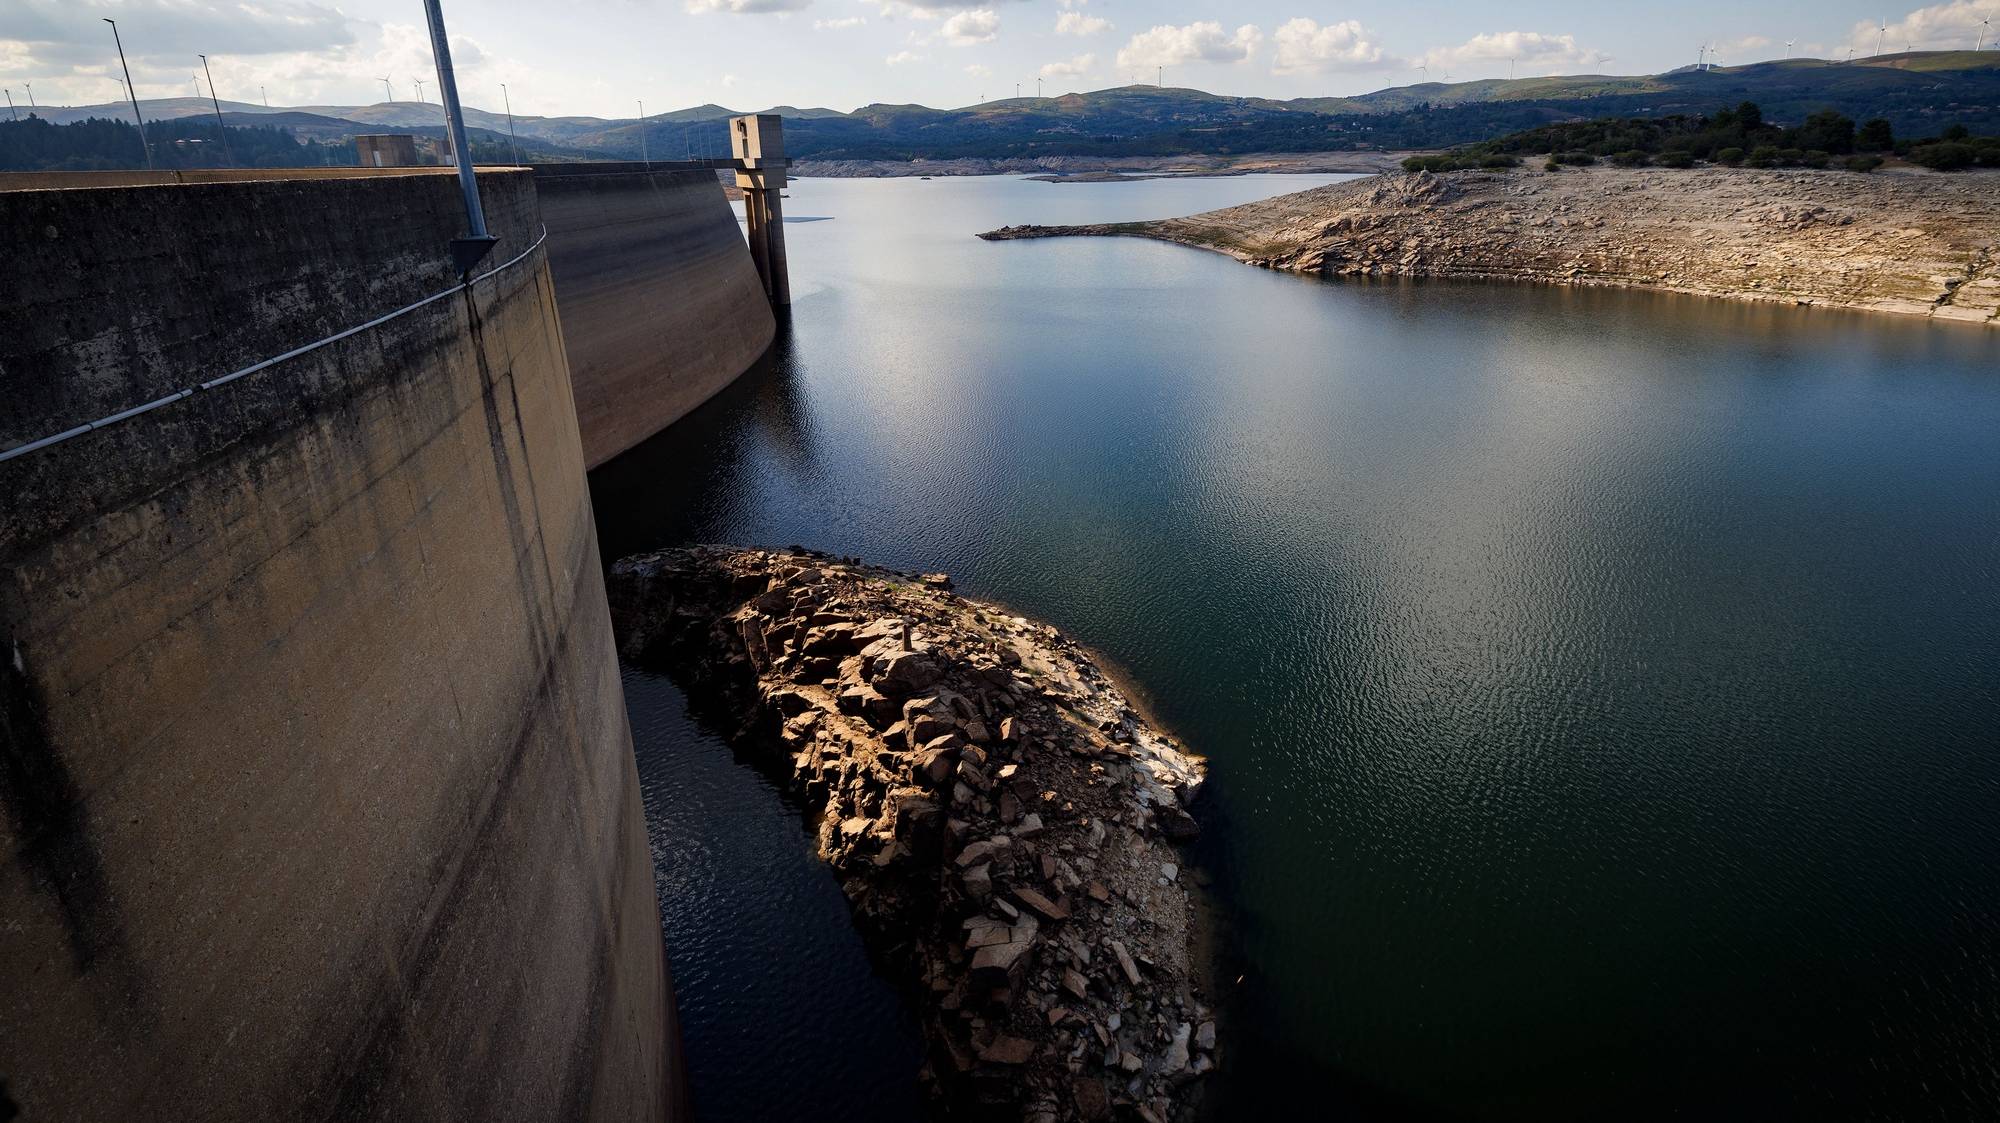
pixel 318 797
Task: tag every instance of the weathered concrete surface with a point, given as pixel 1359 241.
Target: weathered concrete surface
pixel 1905 241
pixel 661 305
pixel 316 790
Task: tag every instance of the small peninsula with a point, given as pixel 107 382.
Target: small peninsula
pixel 1004 823
pixel 1904 241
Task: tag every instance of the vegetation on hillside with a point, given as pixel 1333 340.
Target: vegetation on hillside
pixel 1735 137
pixel 187 143
pixel 32 144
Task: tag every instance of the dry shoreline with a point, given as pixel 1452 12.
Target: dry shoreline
pixel 1903 241
pixel 1004 821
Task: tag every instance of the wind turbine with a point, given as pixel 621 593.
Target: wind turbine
pixel 1701 57
pixel 10 105
pixel 1788 47
pixel 1510 68
pixel 420 91
pixel 266 95
pixel 643 157
pixel 1426 70
pixel 1983 25
pixel 1038 87
pixel 31 96
pixel 390 90
pixel 196 79
pixel 1880 35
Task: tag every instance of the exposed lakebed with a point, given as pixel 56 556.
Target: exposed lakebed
pixel 1600 689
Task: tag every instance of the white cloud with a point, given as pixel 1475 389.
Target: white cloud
pixel 1073 68
pixel 1527 50
pixel 1076 23
pixel 840 24
pixel 1167 45
pixel 1940 27
pixel 978 25
pixel 901 57
pixel 1304 45
pixel 747 7
pixel 979 71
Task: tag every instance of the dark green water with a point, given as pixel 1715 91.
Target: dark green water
pixel 1602 690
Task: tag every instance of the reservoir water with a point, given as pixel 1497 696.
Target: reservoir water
pixel 1602 690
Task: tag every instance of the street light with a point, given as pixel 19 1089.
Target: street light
pixel 143 142
pixel 220 131
pixel 466 252
pixel 509 102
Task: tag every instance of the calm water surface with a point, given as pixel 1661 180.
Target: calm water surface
pixel 1602 690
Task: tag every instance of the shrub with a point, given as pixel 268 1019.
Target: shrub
pixel 1875 136
pixel 1764 156
pixel 1816 159
pixel 1944 156
pixel 1730 156
pixel 1863 164
pixel 1631 158
pixel 1957 132
pixel 1498 161
pixel 1553 165
pixel 1675 159
pixel 1577 159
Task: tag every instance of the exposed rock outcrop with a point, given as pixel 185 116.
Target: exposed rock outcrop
pixel 1903 241
pixel 1002 820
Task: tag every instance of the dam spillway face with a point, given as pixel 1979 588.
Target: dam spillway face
pixel 317 796
pixel 662 305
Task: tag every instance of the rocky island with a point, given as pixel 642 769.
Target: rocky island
pixel 1003 821
pixel 1905 241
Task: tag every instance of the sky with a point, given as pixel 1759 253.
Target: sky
pixel 600 57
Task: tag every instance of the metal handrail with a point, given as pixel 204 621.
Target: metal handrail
pixel 126 414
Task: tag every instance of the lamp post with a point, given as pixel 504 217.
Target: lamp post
pixel 134 94
pixel 509 102
pixel 466 252
pixel 220 130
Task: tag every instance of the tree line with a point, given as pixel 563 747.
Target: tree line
pixel 99 144
pixel 1731 137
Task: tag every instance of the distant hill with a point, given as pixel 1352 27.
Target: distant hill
pixel 1920 92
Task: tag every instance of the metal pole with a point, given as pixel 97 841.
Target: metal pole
pixel 220 130
pixel 510 122
pixel 466 252
pixel 143 142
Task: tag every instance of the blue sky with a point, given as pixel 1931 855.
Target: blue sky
pixel 600 56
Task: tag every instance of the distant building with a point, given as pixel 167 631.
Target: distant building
pixel 387 150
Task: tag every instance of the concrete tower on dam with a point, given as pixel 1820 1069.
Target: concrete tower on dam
pixel 317 796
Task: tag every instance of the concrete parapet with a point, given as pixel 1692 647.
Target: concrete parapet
pixel 316 797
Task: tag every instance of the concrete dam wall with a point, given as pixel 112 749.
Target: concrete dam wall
pixel 316 789
pixel 661 304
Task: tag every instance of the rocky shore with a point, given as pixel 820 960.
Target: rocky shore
pixel 1004 823
pixel 1906 241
